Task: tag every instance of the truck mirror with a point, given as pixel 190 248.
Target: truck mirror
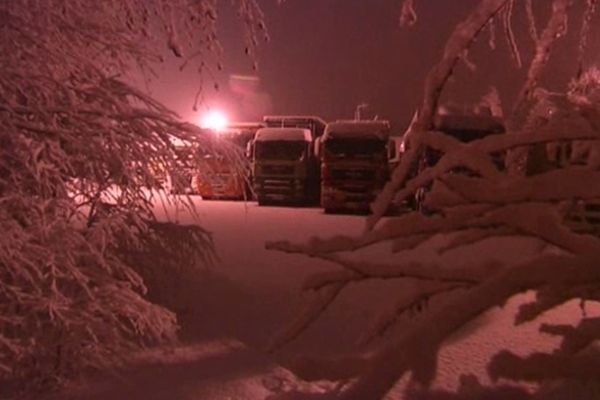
pixel 392 153
pixel 250 150
pixel 318 149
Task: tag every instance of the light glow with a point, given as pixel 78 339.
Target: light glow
pixel 214 120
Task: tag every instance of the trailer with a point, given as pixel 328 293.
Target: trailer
pixel 316 125
pixel 227 176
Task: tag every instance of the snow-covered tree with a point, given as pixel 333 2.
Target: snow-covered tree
pixel 488 203
pixel 82 153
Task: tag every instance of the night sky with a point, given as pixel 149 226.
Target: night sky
pixel 327 56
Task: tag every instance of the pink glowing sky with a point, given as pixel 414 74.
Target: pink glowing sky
pixel 327 56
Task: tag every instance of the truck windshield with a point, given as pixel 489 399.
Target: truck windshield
pixel 280 150
pixel 354 148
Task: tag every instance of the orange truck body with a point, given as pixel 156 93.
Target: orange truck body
pixel 222 177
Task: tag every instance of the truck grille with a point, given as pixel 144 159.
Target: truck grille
pixel 278 169
pixel 353 174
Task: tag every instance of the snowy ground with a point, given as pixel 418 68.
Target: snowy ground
pixel 235 309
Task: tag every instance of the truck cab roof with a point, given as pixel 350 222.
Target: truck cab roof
pixel 379 129
pixel 292 118
pixel 283 134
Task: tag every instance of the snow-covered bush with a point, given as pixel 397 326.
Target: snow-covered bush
pixel 81 150
pixel 472 208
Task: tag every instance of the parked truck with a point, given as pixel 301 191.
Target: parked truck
pixel 465 128
pixel 285 168
pixel 227 177
pixel 356 160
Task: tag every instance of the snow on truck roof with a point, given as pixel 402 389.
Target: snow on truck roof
pixel 290 134
pixel 281 118
pixel 347 129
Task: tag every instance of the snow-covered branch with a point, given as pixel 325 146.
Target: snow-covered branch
pixel 575 338
pixel 472 198
pixel 83 156
pixel 416 348
pixel 459 41
pixel 555 28
pixel 543 367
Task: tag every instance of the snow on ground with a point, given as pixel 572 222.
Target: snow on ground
pixel 237 307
